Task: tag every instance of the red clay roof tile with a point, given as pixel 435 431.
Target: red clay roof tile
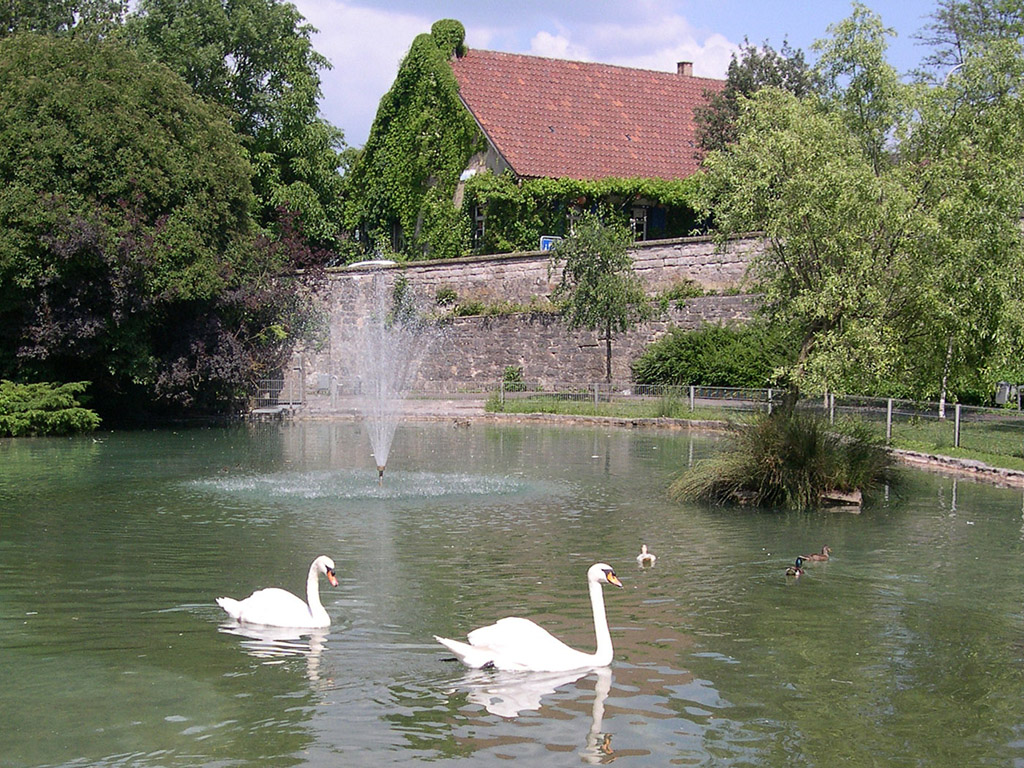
pixel 555 118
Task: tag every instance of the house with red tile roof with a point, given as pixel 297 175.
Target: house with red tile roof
pixel 488 151
pixel 549 118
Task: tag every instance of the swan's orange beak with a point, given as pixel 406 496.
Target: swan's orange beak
pixel 613 579
pixel 332 578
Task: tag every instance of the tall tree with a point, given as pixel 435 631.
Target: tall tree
pixel 598 288
pixel 56 17
pixel 888 237
pixel 128 256
pixel 860 84
pixel 958 28
pixel 754 68
pixel 256 58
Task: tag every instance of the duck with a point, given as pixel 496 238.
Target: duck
pixel 796 569
pixel 645 557
pixel 273 607
pixel 817 556
pixel 520 645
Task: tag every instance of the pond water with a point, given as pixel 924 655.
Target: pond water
pixel 906 649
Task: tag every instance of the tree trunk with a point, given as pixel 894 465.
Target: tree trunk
pixel 608 351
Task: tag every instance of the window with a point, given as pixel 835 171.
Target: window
pixel 478 227
pixel 638 223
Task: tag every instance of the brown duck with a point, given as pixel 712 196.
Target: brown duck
pixel 818 556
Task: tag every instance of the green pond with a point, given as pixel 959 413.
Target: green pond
pixel 906 649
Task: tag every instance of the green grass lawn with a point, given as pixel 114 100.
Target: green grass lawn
pixel 997 443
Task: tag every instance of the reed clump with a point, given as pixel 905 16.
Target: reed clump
pixel 790 460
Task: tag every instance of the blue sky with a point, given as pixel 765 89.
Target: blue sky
pixel 365 40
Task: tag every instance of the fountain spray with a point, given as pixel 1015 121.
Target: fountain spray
pixel 392 339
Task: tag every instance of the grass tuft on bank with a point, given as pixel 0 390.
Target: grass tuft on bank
pixel 791 460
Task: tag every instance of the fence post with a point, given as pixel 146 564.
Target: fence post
pixel 692 388
pixel 888 422
pixel 956 428
pixel 832 408
pixel 501 392
pixel 596 385
pixel 769 401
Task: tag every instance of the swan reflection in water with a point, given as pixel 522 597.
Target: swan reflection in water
pixel 275 644
pixel 508 694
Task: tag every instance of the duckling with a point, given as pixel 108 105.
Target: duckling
pixel 645 557
pixel 796 569
pixel 823 555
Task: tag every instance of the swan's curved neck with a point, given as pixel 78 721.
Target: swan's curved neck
pixel 316 608
pixel 603 655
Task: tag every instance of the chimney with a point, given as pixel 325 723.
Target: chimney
pixel 684 68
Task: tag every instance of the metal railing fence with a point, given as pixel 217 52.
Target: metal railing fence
pixel 917 424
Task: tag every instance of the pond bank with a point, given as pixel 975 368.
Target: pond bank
pixel 463 412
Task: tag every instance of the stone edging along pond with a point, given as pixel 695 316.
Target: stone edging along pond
pixel 977 470
pixel 969 468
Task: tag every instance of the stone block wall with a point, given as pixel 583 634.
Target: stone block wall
pixel 474 351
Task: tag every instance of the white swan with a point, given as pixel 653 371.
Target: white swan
pixel 520 645
pixel 275 607
pixel 645 557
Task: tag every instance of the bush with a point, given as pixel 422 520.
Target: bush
pixel 677 295
pixel 513 375
pixel 714 356
pixel 446 296
pixel 789 459
pixel 44 409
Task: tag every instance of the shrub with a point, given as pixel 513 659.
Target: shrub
pixel 714 356
pixel 677 295
pixel 513 376
pixel 469 309
pixel 789 459
pixel 446 296
pixel 44 409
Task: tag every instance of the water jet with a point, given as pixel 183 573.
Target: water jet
pixel 391 341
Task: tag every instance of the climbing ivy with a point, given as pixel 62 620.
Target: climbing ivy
pixel 519 212
pixel 423 138
pixel 419 144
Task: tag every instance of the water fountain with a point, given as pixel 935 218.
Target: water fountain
pixel 391 341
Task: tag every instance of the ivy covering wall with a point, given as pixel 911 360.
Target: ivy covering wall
pixel 421 140
pixel 519 212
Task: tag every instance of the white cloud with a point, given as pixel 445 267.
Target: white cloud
pixel 557 47
pixel 658 41
pixel 365 47
pixel 710 58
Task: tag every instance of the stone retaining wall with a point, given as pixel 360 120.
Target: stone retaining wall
pixel 476 350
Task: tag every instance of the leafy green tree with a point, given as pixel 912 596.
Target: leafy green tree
pixel 893 243
pixel 859 83
pixel 256 58
pixel 56 17
pixel 128 256
pixel 754 68
pixel 598 288
pixel 959 28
